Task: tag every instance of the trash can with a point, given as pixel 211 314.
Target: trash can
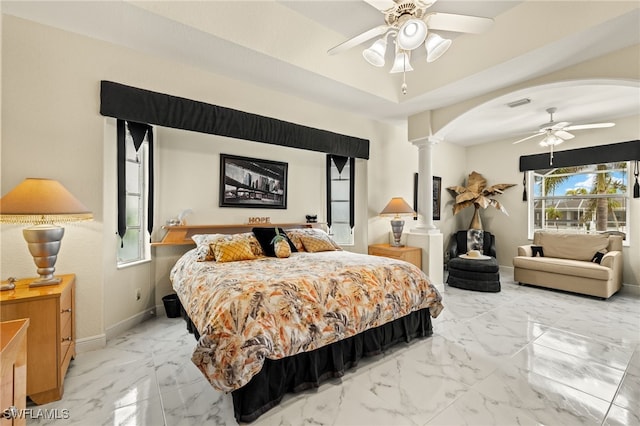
pixel 171 305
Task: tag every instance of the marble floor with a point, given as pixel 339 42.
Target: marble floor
pixel 524 356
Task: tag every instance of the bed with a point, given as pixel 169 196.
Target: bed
pixel 267 326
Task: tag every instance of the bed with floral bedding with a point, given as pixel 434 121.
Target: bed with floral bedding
pixel 269 325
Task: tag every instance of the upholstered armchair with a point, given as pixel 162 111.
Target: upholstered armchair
pixel 480 273
pixel 458 244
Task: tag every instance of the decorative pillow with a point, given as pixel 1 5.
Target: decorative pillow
pixel 204 244
pixel 282 248
pixel 296 234
pixel 475 240
pixel 537 251
pixel 597 258
pixel 294 237
pixel 202 241
pixel 264 237
pixel 316 243
pixel 232 250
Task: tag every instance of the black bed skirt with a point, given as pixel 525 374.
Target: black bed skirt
pixel 307 370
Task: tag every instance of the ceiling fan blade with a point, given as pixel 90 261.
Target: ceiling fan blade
pixel 457 23
pixel 528 137
pixel 388 5
pixel 560 125
pixel 361 38
pixel 590 126
pixel 565 136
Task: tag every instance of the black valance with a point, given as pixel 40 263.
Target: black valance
pixel 622 151
pixel 144 106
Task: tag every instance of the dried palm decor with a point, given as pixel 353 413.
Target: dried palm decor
pixel 477 194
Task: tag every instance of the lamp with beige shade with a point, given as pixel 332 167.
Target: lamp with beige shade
pixel 396 207
pixel 42 202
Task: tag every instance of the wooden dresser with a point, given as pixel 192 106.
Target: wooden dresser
pixel 408 254
pixel 52 333
pixel 13 366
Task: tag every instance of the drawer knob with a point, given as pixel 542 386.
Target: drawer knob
pixel 65 310
pixel 67 339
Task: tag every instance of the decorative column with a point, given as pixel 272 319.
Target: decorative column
pixel 425 185
pixel 425 234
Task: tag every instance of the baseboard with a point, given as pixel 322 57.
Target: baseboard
pixel 506 269
pixel 129 323
pixel 91 343
pixel 630 290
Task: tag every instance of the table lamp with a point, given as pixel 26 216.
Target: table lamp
pixel 42 202
pixel 397 206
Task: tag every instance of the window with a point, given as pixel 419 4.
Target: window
pixel 340 194
pixel 590 198
pixel 135 243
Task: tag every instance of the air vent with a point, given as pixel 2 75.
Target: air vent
pixel 519 102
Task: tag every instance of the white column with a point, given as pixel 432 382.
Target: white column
pixel 425 185
pixel 425 234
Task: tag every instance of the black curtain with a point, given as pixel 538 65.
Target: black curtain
pixel 144 106
pixel 340 162
pixel 622 151
pixel 138 132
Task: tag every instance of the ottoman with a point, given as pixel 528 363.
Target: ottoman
pixel 474 274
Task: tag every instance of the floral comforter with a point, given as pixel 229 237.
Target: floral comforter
pixel 272 308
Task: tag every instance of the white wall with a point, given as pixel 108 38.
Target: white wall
pixel 52 128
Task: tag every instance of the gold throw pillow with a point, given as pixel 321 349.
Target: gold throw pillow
pixel 231 251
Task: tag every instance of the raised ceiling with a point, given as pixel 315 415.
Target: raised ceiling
pixel 283 45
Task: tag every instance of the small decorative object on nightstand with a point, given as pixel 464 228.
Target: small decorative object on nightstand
pixel 42 203
pixel 396 207
pixel 408 254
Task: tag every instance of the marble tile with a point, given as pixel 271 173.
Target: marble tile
pixel 634 363
pixel 618 416
pixel 512 396
pixel 629 394
pixel 197 404
pixel 587 348
pixel 585 375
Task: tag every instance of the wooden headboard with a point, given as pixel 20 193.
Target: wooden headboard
pixel 181 234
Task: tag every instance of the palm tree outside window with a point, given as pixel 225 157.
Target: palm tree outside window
pixel 589 198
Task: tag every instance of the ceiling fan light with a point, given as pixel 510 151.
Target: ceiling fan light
pixel 411 34
pixel 375 54
pixel 401 63
pixel 436 46
pixel 551 140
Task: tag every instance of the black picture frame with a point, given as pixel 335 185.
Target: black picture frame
pixel 252 182
pixel 437 192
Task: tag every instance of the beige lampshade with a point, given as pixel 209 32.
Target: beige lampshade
pixel 396 207
pixel 41 201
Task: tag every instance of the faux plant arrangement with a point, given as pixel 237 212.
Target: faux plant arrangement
pixel 477 194
pixel 280 245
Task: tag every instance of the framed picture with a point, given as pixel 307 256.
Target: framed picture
pixel 437 191
pixel 250 182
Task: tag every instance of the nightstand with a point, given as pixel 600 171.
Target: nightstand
pixel 408 254
pixel 13 354
pixel 51 336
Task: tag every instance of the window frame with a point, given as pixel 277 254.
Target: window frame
pixel 330 200
pixel 531 210
pixel 143 240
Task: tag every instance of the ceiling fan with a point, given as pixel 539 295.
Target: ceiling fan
pixel 411 25
pixel 556 132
